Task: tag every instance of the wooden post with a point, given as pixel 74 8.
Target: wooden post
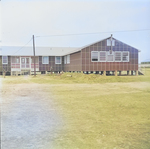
pixel 115 72
pixel 104 73
pixel 34 56
pixel 136 73
pixel 4 73
pixel 51 70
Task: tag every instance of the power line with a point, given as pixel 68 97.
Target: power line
pixel 22 46
pixel 73 34
pixel 81 34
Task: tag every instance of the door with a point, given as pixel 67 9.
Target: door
pixel 25 62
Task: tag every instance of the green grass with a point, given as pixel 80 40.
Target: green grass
pixel 104 116
pixel 99 112
pixel 77 78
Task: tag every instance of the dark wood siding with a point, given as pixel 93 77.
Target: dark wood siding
pixel 88 65
pixel 81 61
pixel 75 62
pixel 47 67
pixel 7 67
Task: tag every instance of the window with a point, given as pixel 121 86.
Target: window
pixel 68 59
pixel 94 56
pixel 125 56
pixel 102 56
pixel 5 59
pixel 113 42
pixel 15 60
pixel 109 42
pixel 22 60
pixel 118 57
pixel 57 60
pixel 45 60
pixel 65 59
pixel 110 57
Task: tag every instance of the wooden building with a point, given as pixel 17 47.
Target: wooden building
pixel 106 55
pixel 103 57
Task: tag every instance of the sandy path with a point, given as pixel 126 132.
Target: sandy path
pixel 0 107
pixel 29 118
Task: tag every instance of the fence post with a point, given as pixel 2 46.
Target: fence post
pixel 104 73
pixel 4 73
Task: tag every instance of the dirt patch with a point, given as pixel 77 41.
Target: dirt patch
pixel 29 117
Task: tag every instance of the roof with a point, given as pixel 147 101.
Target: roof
pixel 106 39
pixel 45 51
pixel 79 49
pixel 39 51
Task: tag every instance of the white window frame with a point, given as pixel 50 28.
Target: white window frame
pixel 109 42
pixel 115 56
pixel 97 56
pixel 43 61
pixel 128 56
pixel 55 59
pixel 65 59
pixel 68 59
pixel 113 42
pixel 17 62
pixel 2 59
pixel 105 56
pixel 108 53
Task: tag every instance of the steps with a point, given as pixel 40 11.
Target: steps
pixel 140 72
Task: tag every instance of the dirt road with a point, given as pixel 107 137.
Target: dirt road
pixel 29 119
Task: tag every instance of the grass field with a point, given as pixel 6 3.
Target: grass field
pixel 99 112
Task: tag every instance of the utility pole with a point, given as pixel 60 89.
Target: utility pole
pixel 34 56
pixel 111 44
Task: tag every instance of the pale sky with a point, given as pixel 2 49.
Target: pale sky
pixel 21 19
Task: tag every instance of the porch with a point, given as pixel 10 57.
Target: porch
pixel 23 65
